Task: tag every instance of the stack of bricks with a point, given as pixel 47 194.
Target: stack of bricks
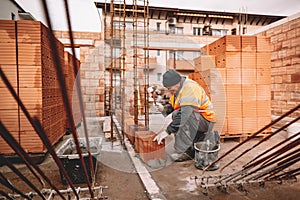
pixel 30 67
pixel 142 139
pixel 240 84
pixel 147 148
pixel 9 107
pixel 71 85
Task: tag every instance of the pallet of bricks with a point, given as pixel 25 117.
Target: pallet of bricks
pixel 26 59
pixel 71 85
pixel 239 83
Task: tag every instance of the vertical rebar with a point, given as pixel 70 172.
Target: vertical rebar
pixel 112 14
pixel 123 68
pixel 146 62
pixel 135 61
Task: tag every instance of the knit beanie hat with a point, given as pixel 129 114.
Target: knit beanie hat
pixel 170 78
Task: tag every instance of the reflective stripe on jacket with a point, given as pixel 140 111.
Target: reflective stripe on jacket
pixel 191 94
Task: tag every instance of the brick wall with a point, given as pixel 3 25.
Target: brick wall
pixel 285 63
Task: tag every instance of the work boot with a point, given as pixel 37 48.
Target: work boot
pixel 180 157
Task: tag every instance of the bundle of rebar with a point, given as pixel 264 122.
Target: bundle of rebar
pixel 278 163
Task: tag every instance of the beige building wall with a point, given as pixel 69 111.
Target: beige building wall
pixel 95 53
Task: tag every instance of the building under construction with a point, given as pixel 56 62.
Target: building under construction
pixel 90 115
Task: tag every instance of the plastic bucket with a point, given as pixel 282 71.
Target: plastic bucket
pixel 206 153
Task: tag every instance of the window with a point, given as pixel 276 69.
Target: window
pixel 178 54
pixel 207 30
pixel 158 53
pixel 158 76
pixel 196 31
pixel 118 25
pixel 176 30
pixel 116 52
pixel 196 54
pixel 13 16
pixel 128 25
pixel 158 26
pixel 244 30
pixel 233 31
pixel 218 32
pixel 171 55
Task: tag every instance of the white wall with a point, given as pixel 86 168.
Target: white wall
pixel 6 9
pixel 84 14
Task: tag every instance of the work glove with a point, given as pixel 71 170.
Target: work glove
pixel 159 107
pixel 160 137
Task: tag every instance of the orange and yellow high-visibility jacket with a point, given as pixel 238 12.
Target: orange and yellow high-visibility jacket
pixel 192 94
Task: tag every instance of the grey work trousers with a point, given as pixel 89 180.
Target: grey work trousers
pixel 193 127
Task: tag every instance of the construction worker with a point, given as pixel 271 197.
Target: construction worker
pixel 192 114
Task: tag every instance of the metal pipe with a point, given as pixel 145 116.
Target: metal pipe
pixel 252 136
pixel 18 173
pixel 64 95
